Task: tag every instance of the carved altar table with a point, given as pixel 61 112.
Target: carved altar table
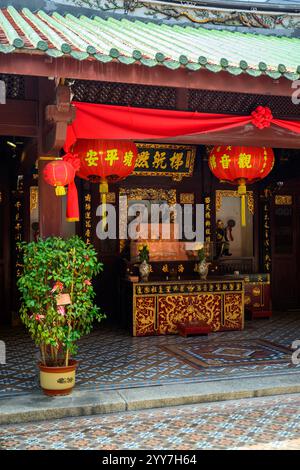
pixel 157 307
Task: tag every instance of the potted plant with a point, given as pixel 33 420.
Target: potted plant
pixel 57 304
pixel 144 267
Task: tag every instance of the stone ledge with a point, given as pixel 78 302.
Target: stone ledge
pixel 37 407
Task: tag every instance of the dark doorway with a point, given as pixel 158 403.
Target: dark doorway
pixel 10 184
pixel 286 248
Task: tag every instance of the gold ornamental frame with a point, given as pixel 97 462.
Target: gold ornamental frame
pixel 132 194
pixel 191 155
pixel 220 193
pixel 141 194
pixel 34 197
pixel 187 198
pixel 281 200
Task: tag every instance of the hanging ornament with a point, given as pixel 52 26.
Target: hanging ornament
pixel 72 209
pixel 104 162
pixel 241 166
pixel 59 174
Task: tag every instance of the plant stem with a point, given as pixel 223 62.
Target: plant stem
pixel 68 351
pixel 52 353
pixel 42 349
pixel 71 297
pixel 67 355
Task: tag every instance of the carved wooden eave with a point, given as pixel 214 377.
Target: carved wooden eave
pixel 272 136
pixel 58 116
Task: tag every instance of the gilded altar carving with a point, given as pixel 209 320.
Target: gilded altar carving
pixel 256 291
pixel 233 311
pixel 159 307
pixel 187 287
pixel 144 321
pixel 175 309
pixel 220 193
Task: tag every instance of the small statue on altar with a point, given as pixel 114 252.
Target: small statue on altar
pixel 223 238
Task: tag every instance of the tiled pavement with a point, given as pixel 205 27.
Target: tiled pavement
pixel 115 360
pixel 257 423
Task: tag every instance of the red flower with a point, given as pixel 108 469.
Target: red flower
pixel 39 317
pixel 87 282
pixel 61 310
pixel 57 286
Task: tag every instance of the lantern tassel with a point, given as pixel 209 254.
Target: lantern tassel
pixel 243 210
pixel 60 191
pixel 72 212
pixel 103 188
pixel 242 191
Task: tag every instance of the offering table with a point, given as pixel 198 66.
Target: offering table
pixel 157 307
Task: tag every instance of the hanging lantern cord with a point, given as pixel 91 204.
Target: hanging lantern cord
pixel 103 188
pixel 242 191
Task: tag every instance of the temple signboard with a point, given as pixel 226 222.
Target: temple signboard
pixel 171 160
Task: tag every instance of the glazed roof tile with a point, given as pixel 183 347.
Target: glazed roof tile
pixel 132 41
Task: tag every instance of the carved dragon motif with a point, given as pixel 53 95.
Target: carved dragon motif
pixel 194 13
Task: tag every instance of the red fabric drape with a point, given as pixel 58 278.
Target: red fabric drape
pixel 293 126
pixel 99 121
pixel 72 211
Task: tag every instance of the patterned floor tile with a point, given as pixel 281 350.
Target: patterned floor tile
pixel 257 423
pixel 112 359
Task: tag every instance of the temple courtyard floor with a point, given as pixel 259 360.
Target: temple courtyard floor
pixel 240 389
pixel 268 423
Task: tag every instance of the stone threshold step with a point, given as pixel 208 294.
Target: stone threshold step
pixel 38 407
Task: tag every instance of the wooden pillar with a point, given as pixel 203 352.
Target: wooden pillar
pixel 54 120
pixel 50 205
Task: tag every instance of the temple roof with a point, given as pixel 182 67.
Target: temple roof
pixel 148 43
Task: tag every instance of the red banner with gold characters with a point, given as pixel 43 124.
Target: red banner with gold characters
pixel 109 160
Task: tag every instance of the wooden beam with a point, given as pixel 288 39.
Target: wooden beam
pixel 19 118
pixel 59 115
pixel 67 67
pixel 182 99
pixel 248 135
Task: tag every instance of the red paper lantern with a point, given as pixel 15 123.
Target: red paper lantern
pixel 104 161
pixel 59 173
pixel 241 165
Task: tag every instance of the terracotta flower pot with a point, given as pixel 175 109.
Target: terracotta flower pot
pixel 58 380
